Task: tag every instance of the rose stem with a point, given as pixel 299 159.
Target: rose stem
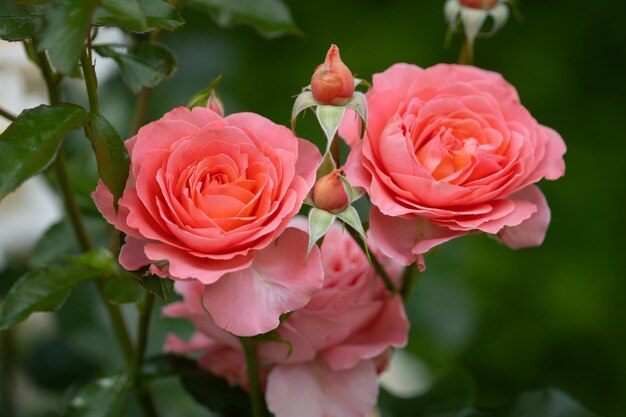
pixel 375 262
pixel 141 105
pixel 7 115
pixel 142 396
pixel 466 57
pixel 409 278
pixel 256 396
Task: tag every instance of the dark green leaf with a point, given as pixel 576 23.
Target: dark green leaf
pixel 18 22
pixel 212 392
pixel 270 17
pixel 161 14
pixel 111 155
pixel 42 290
pixel 154 14
pixel 142 65
pixel 100 398
pixel 30 143
pixel 60 240
pixel 123 13
pixel 161 287
pixel 122 288
pixel 65 28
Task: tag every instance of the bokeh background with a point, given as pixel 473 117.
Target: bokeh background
pixel 509 320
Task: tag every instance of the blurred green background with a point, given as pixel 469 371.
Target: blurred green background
pixel 514 320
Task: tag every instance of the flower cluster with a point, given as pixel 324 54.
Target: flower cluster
pixel 330 351
pixel 211 202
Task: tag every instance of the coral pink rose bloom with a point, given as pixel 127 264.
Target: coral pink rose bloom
pixel 340 341
pixel 205 197
pixel 449 150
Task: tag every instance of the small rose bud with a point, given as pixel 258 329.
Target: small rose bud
pixel 479 4
pixel 332 82
pixel 329 193
pixel 215 103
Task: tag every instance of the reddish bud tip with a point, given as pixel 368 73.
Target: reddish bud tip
pixel 332 82
pixel 215 103
pixel 479 4
pixel 329 193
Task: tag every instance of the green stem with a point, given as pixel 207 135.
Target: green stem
pixel 258 402
pixel 375 262
pixel 409 278
pixel 142 330
pixel 141 107
pixel 135 359
pixel 7 370
pixel 7 115
pixel 91 83
pixel 71 206
pixel 118 324
pixel 466 57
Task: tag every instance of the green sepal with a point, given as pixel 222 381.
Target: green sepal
pixel 201 98
pixel 351 217
pixel 319 223
pixel 329 118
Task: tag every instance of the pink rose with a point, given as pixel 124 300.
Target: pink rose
pixel 205 197
pixel 340 340
pixel 449 150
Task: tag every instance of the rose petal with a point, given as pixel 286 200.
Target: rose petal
pixel 405 239
pixel 532 231
pixel 390 328
pixel 314 390
pixel 280 279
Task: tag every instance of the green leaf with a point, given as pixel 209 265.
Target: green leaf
pixel 329 118
pixel 142 65
pixel 123 13
pixel 161 14
pixel 270 17
pixel 111 155
pixel 18 22
pixel 42 290
pixel 122 288
pixel 155 13
pixel 161 287
pixel 64 31
pixel 201 98
pixel 303 102
pixel 60 240
pixel 319 223
pixel 353 193
pixel 99 398
pixel 212 392
pixel 31 142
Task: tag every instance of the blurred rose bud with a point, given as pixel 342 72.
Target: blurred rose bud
pixel 215 103
pixel 332 82
pixel 479 4
pixel 330 194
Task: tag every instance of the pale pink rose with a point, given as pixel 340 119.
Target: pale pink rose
pixel 205 197
pixel 449 150
pixel 340 340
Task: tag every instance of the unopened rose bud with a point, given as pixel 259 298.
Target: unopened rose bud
pixel 479 4
pixel 332 82
pixel 329 193
pixel 215 103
